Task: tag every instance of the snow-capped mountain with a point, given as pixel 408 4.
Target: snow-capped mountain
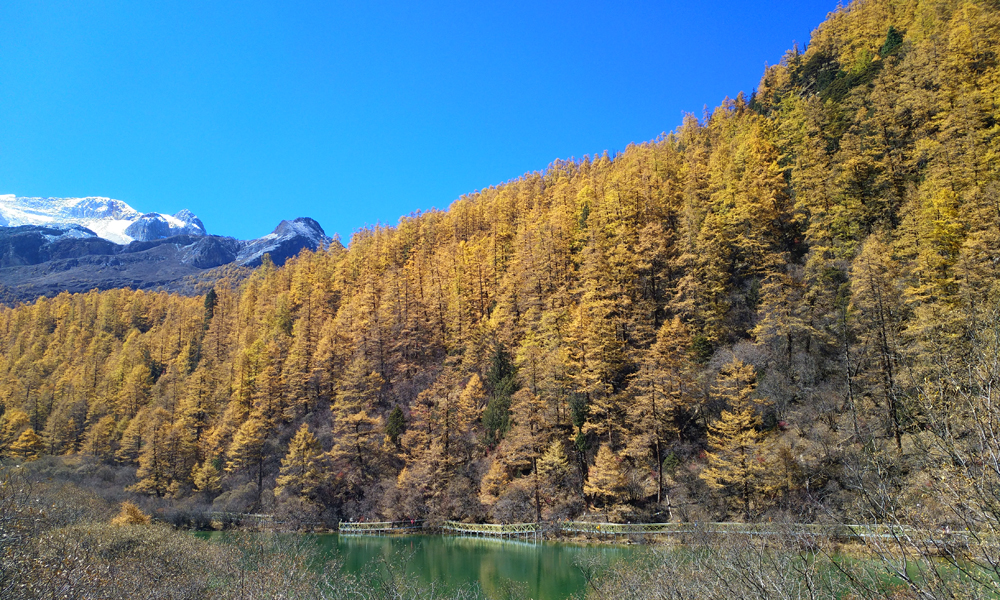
pixel 110 219
pixel 287 239
pixel 51 245
pixel 155 226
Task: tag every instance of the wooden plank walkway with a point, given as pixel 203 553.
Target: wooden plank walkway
pixel 534 532
pixel 856 532
pixel 380 527
pixel 258 520
pixel 499 530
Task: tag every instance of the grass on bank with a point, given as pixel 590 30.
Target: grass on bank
pixel 58 540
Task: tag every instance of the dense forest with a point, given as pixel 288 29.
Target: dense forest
pixel 786 309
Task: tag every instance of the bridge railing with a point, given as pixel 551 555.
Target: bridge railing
pixel 379 526
pixel 867 532
pixel 243 518
pixel 492 529
pixel 621 528
pixel 847 531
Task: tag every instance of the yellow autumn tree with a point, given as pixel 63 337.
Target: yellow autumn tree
pixel 554 473
pixel 662 386
pixel 206 477
pixel 606 478
pixel 156 461
pixel 527 441
pixel 100 441
pixel 739 455
pixel 12 423
pixel 300 474
pixel 246 452
pixel 28 445
pixel 494 482
pixel 357 426
pixel 131 443
pixel 131 514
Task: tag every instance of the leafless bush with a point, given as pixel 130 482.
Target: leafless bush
pixel 777 566
pixel 48 549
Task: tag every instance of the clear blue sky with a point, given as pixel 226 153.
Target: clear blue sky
pixel 353 113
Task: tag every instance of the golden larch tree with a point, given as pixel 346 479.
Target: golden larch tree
pixel 300 473
pixel 606 478
pixel 739 453
pixel 28 445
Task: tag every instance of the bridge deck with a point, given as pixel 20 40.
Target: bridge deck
pixel 534 531
pixel 366 527
pixel 500 530
pixel 862 532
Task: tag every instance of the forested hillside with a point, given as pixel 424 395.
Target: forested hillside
pixel 781 310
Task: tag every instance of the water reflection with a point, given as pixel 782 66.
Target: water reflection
pixel 546 570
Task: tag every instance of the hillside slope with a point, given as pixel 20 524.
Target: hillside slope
pixel 748 318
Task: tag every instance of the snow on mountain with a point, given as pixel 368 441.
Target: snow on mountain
pixel 48 246
pixel 287 239
pixel 156 226
pixel 110 219
pixel 76 232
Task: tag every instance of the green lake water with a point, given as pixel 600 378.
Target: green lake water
pixel 542 571
pixel 545 571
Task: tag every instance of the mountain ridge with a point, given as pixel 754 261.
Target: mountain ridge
pixel 51 245
pixel 113 220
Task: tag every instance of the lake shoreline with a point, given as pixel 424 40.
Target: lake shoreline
pixel 851 539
